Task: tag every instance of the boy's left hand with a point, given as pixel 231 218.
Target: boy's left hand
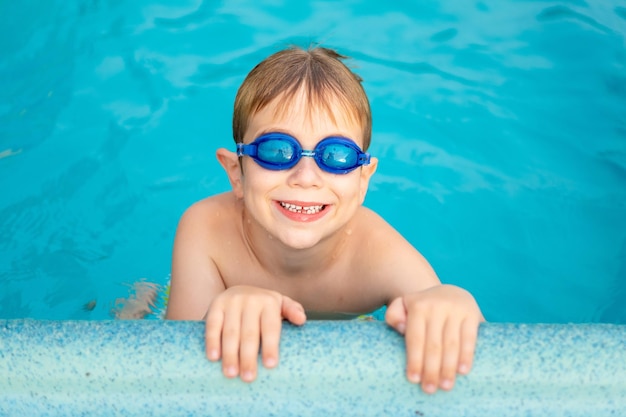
pixel 440 326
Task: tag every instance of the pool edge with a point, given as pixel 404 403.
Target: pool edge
pixel 326 368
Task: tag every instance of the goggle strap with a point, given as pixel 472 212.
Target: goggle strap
pixel 249 150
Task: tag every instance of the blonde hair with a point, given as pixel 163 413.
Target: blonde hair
pixel 326 80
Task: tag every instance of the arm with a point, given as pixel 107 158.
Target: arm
pixel 439 322
pixel 195 280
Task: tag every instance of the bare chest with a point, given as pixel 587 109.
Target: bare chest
pixel 338 287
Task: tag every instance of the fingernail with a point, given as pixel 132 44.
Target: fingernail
pixel 401 328
pixel 230 371
pixel 213 355
pixel 270 362
pixel 247 376
pixel 430 388
pixel 463 369
pixel 446 384
pixel 414 378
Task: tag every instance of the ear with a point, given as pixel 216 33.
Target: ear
pixel 230 162
pixel 366 173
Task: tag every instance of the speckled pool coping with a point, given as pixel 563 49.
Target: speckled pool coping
pixel 345 368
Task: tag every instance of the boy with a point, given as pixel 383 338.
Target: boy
pixel 293 240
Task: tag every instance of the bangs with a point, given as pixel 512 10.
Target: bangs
pixel 318 103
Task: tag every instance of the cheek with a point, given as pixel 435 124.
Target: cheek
pixel 350 188
pixel 258 181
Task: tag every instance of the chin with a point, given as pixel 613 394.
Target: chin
pixel 300 242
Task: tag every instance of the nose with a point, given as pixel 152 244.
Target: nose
pixel 305 174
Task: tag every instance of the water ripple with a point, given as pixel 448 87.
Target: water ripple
pixel 562 12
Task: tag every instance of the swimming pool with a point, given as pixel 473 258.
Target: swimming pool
pixel 499 127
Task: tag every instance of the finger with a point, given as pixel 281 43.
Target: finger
pixel 271 326
pixel 249 344
pixel 293 311
pixel 414 339
pixel 432 354
pixel 451 353
pixel 469 335
pixel 231 341
pixel 396 316
pixel 213 333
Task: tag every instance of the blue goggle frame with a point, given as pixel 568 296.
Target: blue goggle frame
pixel 278 151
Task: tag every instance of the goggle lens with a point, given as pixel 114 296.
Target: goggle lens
pixel 338 156
pixel 276 152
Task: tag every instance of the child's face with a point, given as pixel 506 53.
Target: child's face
pixel 303 205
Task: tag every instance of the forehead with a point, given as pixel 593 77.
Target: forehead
pixel 304 111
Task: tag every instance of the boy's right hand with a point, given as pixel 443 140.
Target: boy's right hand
pixel 241 319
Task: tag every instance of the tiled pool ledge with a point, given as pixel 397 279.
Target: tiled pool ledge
pixel 346 368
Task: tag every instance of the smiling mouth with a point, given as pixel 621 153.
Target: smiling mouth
pixel 294 208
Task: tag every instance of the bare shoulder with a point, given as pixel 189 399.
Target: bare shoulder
pixel 212 208
pixel 387 258
pixel 377 238
pixel 210 214
pixel 203 226
pixel 374 230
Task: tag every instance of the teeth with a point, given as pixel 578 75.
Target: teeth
pixel 300 209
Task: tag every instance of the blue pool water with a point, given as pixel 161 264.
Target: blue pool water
pixel 500 127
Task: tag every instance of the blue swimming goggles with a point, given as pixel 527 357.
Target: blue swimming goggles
pixel 278 151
